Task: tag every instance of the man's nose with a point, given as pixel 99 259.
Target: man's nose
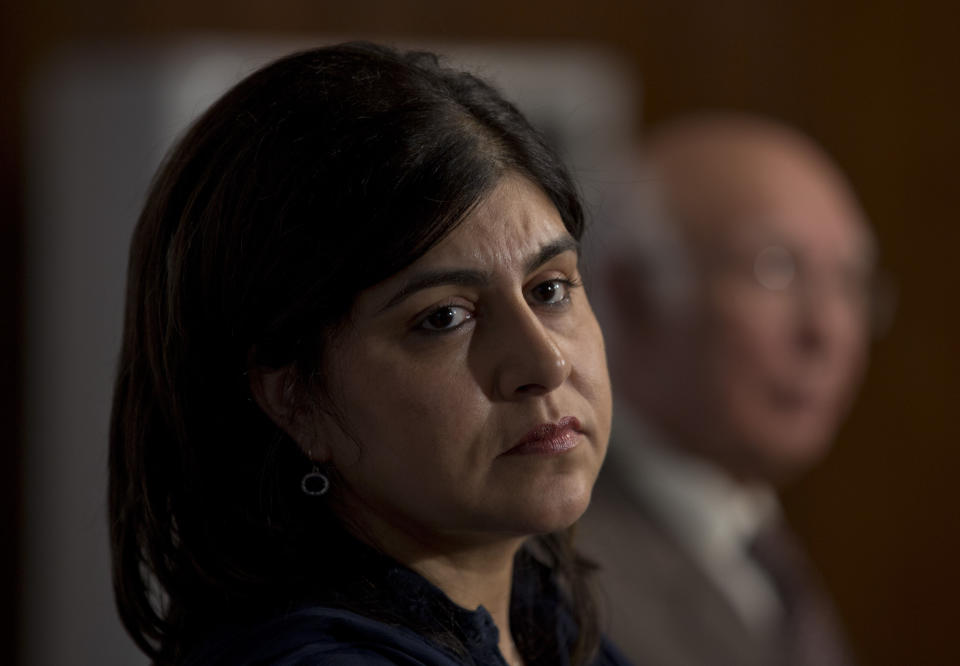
pixel 826 315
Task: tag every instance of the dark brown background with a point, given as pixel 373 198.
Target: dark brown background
pixel 875 82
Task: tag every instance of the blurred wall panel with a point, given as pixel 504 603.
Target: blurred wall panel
pixel 91 143
pixel 99 121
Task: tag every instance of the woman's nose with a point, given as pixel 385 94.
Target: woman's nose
pixel 528 360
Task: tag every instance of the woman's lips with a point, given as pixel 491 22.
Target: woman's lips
pixel 549 438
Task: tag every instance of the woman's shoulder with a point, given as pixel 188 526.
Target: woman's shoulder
pixel 610 655
pixel 318 635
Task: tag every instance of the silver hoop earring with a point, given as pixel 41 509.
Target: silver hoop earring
pixel 315 483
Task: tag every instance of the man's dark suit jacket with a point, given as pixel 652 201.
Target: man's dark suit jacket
pixel 658 605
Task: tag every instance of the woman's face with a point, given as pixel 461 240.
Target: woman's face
pixel 473 383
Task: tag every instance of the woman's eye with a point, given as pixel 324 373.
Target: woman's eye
pixel 551 292
pixel 445 318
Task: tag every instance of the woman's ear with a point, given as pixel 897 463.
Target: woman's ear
pixel 275 391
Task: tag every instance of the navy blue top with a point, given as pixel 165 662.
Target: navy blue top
pixel 317 635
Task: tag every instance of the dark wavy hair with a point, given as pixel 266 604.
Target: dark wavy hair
pixel 314 178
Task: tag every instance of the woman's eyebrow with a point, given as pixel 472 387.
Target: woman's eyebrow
pixel 476 278
pixel 426 280
pixel 551 250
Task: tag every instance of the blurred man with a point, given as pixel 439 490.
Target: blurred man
pixel 734 293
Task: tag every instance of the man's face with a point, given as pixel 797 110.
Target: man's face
pixel 778 340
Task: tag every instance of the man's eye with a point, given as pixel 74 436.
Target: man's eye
pixel 445 318
pixel 774 268
pixel 551 292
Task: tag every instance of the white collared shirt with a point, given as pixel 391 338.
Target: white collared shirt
pixel 711 515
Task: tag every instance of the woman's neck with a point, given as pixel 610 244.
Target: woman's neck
pixel 483 577
pixel 470 571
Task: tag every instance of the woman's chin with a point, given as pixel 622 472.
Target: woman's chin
pixel 554 510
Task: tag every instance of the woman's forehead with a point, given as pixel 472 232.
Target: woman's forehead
pixel 514 220
pixel 512 231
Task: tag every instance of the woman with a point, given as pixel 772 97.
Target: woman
pixel 358 374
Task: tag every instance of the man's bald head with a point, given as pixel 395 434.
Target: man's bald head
pixel 754 361
pixel 718 172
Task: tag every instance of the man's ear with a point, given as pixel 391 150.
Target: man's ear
pixel 275 392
